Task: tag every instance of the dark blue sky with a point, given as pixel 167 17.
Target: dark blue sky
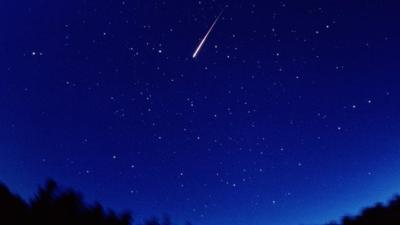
pixel 290 114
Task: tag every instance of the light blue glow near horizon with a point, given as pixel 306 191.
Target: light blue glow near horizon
pixel 366 190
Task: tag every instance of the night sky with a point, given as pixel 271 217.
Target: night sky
pixel 289 114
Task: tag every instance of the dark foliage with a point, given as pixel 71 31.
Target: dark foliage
pixel 51 206
pixel 377 215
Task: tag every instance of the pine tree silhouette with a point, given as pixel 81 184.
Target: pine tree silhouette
pixel 377 215
pixel 51 206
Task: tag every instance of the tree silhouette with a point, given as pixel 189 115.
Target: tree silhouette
pixel 13 210
pixel 51 206
pixel 377 215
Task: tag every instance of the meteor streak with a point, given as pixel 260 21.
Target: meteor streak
pixel 196 52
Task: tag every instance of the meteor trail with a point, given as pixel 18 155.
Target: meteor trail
pixel 196 52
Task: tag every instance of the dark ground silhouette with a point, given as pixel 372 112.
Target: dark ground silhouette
pixel 51 206
pixel 377 215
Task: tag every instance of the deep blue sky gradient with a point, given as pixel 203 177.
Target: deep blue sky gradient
pixel 289 115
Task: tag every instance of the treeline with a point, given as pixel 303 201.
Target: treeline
pixel 379 214
pixel 53 206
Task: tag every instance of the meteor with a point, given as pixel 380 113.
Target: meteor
pixel 196 52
